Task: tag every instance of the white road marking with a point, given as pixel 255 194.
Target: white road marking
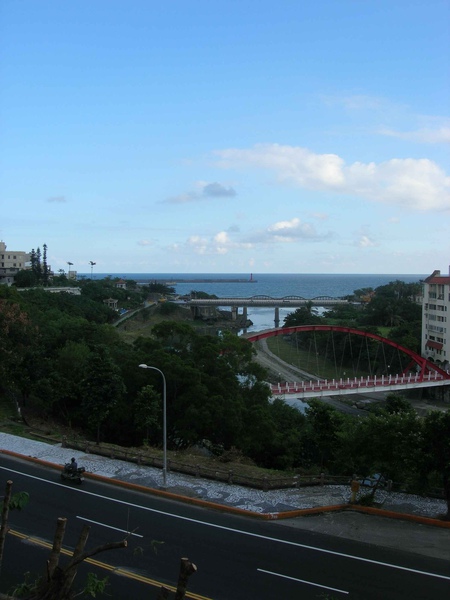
pixel 325 587
pixel 109 526
pixel 233 530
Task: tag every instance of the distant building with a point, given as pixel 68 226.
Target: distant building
pixel 11 262
pixel 435 312
pixel 75 291
pixel 111 303
pixel 121 284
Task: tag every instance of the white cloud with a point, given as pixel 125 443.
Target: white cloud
pixel 204 190
pixel 182 198
pixel 198 244
pixel 284 225
pixel 320 216
pixel 419 184
pixel 221 242
pixel 218 244
pixel 365 242
pixel 222 237
pixel 288 232
pixel 145 243
pixel 291 163
pixel 356 101
pixel 425 135
pixel 218 190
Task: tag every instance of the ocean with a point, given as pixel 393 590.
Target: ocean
pixel 274 285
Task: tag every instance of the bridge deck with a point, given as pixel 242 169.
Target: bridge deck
pixel 261 301
pixel 316 389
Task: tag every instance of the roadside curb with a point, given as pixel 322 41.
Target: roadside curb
pixel 390 514
pixel 242 511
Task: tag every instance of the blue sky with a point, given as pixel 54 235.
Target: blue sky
pixel 213 136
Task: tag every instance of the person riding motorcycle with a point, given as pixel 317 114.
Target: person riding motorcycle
pixel 72 472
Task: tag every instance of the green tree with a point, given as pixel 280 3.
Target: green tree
pixel 306 315
pixel 37 266
pixel 148 413
pixel 102 388
pixel 408 335
pixel 25 278
pixel 395 403
pixel 435 455
pixel 343 314
pixel 45 267
pixel 387 442
pixel 18 335
pixel 393 304
pixel 324 424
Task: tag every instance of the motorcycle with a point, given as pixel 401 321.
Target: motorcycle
pixel 68 474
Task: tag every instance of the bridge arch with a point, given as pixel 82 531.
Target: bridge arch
pixel 424 366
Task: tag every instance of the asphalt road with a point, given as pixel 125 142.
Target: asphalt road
pixel 237 558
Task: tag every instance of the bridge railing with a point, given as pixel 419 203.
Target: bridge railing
pixel 351 383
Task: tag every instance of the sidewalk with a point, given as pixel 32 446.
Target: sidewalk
pixel 305 508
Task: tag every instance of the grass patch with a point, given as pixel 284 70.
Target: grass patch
pixel 309 360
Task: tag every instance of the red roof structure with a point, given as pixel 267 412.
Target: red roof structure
pixel 436 277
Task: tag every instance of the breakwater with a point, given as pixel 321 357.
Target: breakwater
pixel 196 280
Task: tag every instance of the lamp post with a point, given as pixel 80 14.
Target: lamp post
pixel 92 263
pixel 164 421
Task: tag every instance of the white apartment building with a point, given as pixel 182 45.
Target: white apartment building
pixel 11 261
pixel 435 314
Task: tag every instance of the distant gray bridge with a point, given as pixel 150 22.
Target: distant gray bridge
pixel 201 307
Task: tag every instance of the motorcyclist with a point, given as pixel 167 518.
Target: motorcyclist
pixel 73 467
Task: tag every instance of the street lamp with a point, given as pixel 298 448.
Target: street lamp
pixel 164 421
pixel 92 263
pixel 70 264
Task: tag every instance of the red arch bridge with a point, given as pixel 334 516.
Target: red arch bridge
pixel 380 356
